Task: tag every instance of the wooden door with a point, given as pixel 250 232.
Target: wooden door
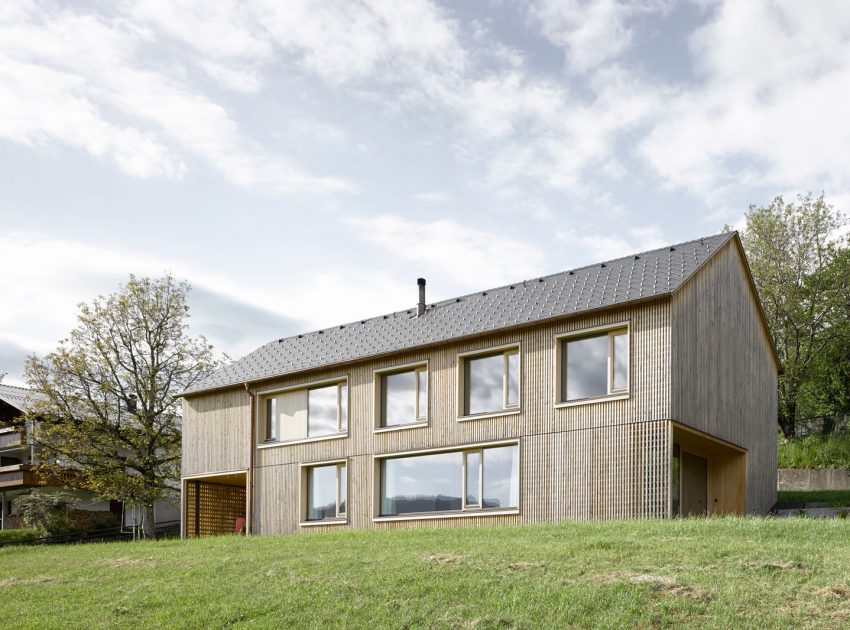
pixel 694 484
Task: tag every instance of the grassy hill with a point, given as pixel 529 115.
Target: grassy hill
pixel 695 573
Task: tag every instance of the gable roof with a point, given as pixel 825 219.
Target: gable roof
pixel 20 398
pixel 633 278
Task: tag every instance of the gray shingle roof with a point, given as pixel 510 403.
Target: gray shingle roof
pixel 636 277
pixel 19 397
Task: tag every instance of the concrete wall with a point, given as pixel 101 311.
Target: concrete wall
pixel 810 479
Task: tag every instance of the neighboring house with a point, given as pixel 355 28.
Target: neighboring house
pixel 19 458
pixel 640 387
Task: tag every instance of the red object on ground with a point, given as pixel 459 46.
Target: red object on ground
pixel 240 525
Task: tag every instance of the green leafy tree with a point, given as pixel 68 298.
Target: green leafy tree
pixel 794 255
pixel 111 412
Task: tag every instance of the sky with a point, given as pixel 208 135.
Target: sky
pixel 302 163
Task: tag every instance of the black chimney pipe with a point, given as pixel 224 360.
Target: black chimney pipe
pixel 420 308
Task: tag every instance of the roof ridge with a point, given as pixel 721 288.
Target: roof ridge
pixel 458 298
pixel 26 389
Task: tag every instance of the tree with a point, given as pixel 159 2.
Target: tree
pixel 793 252
pixel 110 412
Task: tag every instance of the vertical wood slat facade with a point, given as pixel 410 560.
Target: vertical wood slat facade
pixel 725 377
pixel 604 459
pixel 700 358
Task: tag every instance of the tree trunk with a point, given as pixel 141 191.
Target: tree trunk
pixel 788 420
pixel 149 523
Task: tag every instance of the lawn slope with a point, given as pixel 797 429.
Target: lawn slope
pixel 694 573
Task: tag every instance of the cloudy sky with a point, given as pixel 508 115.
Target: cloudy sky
pixel 302 163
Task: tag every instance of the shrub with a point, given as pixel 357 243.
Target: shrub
pixel 46 512
pixel 815 451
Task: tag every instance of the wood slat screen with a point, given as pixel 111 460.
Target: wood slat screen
pixel 212 509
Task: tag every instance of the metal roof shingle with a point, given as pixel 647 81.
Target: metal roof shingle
pixel 638 276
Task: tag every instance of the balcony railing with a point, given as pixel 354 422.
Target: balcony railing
pixel 12 438
pixel 18 476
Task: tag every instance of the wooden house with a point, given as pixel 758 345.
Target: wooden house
pixel 640 387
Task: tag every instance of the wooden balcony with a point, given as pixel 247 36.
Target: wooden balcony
pixel 27 476
pixel 19 476
pixel 12 438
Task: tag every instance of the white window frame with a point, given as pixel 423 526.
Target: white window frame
pixel 611 330
pixel 262 396
pixel 378 385
pixel 505 350
pixel 304 489
pixel 464 512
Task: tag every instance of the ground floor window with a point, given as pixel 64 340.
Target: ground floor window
pixel 327 491
pixel 469 479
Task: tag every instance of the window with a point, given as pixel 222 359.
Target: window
pixel 305 413
pixel 594 366
pixel 327 492
pixel 404 397
pixel 474 479
pixel 491 382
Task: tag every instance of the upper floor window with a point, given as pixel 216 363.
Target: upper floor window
pixel 491 382
pixel 594 365
pixel 404 396
pixel 305 413
pixel 327 491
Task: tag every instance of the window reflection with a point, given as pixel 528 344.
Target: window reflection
pixel 323 411
pixel 586 373
pixel 399 398
pixel 436 482
pixel 501 477
pixel 321 492
pixel 426 483
pixel 621 362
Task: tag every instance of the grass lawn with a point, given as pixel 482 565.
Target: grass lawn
pixel 696 573
pixel 838 498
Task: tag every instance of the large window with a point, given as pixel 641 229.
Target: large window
pixel 305 413
pixel 472 479
pixel 327 491
pixel 404 397
pixel 491 382
pixel 594 366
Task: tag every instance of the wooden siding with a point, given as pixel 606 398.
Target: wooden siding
pixel 605 459
pixel 216 433
pixel 724 376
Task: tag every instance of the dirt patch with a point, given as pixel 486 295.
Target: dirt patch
pixel 785 565
pixel 126 562
pixel 8 581
pixel 662 584
pixel 448 558
pixel 835 592
pixel 518 566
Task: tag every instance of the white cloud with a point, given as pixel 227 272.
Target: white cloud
pixel 47 277
pixel 591 32
pixel 70 78
pixel 433 196
pixel 482 258
pixel 601 247
pixel 771 108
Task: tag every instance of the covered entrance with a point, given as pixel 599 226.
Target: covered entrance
pixel 708 475
pixel 214 505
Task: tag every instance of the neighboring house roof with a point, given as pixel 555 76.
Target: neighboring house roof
pixel 20 398
pixel 632 278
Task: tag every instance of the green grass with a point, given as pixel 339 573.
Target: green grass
pixel 838 498
pixel 815 451
pixel 17 534
pixel 696 573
